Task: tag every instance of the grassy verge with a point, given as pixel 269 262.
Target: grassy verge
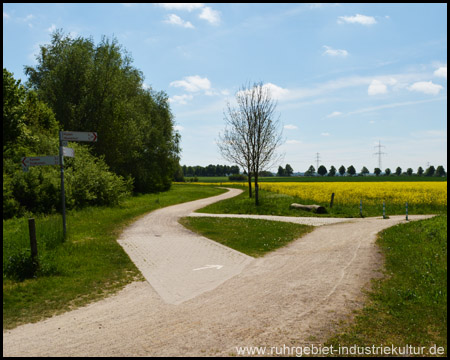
pixel 275 204
pixel 89 265
pixel 409 305
pixel 249 236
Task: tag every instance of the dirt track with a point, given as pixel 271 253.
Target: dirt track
pixel 288 297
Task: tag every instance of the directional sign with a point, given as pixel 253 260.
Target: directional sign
pixel 68 152
pixel 79 136
pixel 40 160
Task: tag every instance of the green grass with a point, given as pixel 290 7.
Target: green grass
pixel 408 306
pixel 278 204
pixel 89 265
pixel 253 237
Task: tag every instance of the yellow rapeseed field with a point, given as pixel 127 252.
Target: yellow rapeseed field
pixel 346 193
pixel 426 194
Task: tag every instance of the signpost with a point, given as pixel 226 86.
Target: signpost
pixel 38 161
pixel 64 137
pixel 79 136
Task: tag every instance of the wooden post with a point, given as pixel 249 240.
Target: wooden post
pixel 384 209
pixel 360 208
pixel 332 199
pixel 406 211
pixel 33 242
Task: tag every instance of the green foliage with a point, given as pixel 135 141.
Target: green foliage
pixel 31 130
pixel 322 170
pixel 95 88
pixel 237 177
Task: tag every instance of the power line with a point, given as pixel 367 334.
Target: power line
pixel 379 153
pixel 317 160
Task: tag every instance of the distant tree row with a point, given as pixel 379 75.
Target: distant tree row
pixel 210 170
pixel 322 170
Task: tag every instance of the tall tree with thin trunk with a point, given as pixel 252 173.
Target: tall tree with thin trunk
pixel 253 133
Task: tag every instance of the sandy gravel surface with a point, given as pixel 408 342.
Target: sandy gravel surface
pixel 288 297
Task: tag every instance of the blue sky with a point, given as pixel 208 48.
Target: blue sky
pixel 345 76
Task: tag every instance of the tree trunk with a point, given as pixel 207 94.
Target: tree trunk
pixel 256 190
pixel 250 184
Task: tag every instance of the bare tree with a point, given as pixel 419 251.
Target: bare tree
pixel 253 132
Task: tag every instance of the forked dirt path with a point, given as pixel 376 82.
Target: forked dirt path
pixel 289 297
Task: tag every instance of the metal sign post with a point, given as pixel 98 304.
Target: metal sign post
pixel 64 137
pixel 63 196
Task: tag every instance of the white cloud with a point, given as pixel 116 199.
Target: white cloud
pixel 441 72
pixel 51 28
pixel 335 52
pixel 181 6
pixel 290 127
pixel 293 142
pixel 325 134
pixel 180 99
pixel 178 128
pixel 176 20
pixel 426 87
pixel 334 114
pixel 5 16
pixel 210 15
pixel 377 87
pixel 357 19
pixel 275 91
pixel 192 83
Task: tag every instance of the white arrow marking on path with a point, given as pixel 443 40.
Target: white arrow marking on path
pixel 218 267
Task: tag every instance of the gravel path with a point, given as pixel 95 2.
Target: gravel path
pixel 287 297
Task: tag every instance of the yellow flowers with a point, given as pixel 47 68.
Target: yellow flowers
pixel 346 193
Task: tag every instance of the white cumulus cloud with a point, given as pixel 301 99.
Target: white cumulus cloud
pixel 377 87
pixel 426 87
pixel 334 52
pixel 192 83
pixel 176 20
pixel 357 19
pixel 180 99
pixel 210 15
pixel 290 127
pixel 441 72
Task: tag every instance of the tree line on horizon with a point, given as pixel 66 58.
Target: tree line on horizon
pixel 351 171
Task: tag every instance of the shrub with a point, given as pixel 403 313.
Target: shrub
pixel 237 177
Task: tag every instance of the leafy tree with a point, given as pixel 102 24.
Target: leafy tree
pixel 280 171
pixel 342 170
pixel 364 171
pixel 377 171
pixel 420 171
pixel 351 170
pixel 409 171
pixel 398 171
pixel 387 172
pixel 332 171
pixel 310 171
pixel 288 170
pixel 322 170
pixel 430 171
pixel 440 171
pixel 95 88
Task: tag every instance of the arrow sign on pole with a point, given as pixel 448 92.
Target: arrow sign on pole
pixel 79 136
pixel 39 161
